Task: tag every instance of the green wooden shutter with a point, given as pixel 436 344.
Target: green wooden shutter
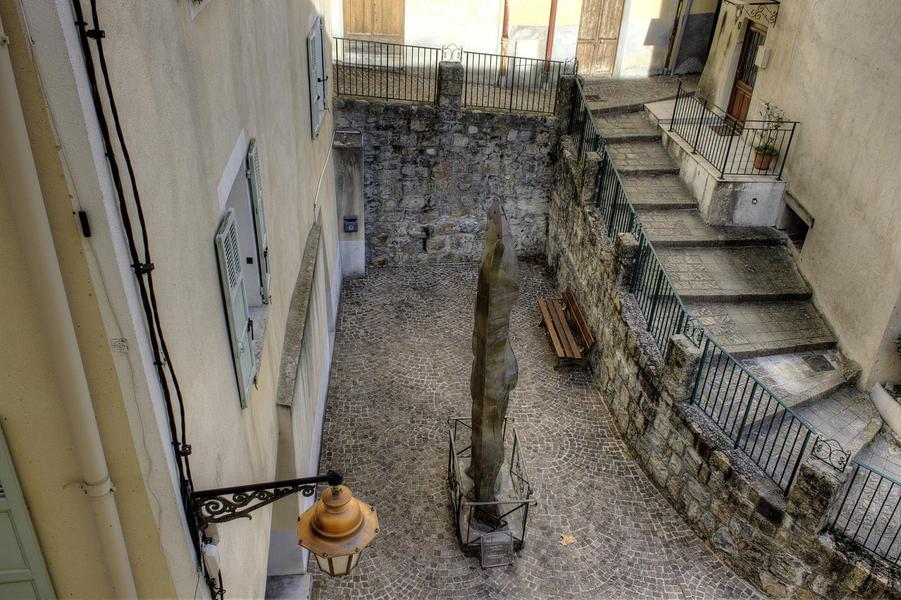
pixel 235 295
pixel 255 177
pixel 23 573
pixel 317 76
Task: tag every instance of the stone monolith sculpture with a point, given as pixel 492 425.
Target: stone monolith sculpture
pixel 494 368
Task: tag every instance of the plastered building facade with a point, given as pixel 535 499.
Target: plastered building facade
pixel 836 76
pixel 197 85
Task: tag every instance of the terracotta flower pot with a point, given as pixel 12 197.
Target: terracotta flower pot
pixel 763 161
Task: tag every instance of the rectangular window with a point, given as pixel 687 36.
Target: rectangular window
pixel 317 76
pixel 242 248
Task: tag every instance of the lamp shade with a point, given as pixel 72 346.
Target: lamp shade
pixel 336 529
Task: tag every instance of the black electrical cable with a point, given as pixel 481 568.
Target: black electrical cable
pixel 142 268
pixel 143 229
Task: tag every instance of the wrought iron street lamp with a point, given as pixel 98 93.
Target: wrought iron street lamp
pixel 335 529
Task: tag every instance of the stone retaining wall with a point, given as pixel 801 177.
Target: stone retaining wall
pixel 772 541
pixel 428 170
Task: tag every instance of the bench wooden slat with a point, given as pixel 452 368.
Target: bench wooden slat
pixel 569 341
pixel 579 319
pixel 550 326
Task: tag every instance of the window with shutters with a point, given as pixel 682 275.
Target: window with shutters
pixel 317 75
pixel 242 247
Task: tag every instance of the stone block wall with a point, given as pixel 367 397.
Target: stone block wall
pixel 773 541
pixel 430 169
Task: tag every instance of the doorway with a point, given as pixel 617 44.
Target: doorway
pixel 374 20
pixel 598 36
pixel 746 73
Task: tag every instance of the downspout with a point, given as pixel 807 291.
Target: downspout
pixel 551 25
pixel 20 175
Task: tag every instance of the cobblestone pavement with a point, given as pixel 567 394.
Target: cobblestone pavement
pixel 401 368
pixel 619 94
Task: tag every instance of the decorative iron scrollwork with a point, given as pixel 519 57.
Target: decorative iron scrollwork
pixel 693 330
pixel 452 52
pixel 763 12
pixel 220 509
pixel 571 66
pixel 831 453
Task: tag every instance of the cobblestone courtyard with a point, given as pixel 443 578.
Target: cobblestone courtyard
pixel 401 368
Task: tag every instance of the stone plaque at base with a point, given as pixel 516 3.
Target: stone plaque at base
pixel 496 549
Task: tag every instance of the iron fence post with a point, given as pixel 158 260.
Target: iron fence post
pixel 694 147
pixel 386 72
pixel 599 191
pixel 655 299
pixel 612 218
pixel 676 105
pixel 512 77
pixel 728 151
pixel 744 418
pixel 797 466
pixel 787 146
pixel 694 388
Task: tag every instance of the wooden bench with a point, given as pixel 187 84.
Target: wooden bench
pixel 567 327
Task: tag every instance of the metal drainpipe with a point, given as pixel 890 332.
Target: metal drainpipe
pixel 20 175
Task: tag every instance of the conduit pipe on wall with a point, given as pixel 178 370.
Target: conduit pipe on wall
pixel 29 213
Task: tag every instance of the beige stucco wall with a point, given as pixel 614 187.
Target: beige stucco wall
pixel 473 24
pixel 644 37
pixel 186 88
pixel 839 78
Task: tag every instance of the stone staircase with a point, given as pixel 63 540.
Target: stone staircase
pixel 743 286
pixel 741 282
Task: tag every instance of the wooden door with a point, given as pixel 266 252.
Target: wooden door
pixel 745 73
pixel 598 36
pixel 374 20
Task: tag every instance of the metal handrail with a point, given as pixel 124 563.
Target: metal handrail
pixel 717 147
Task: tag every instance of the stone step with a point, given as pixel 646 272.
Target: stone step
pixel 641 158
pixel 627 127
pixel 657 191
pixel 686 228
pixel 758 329
pixel 745 274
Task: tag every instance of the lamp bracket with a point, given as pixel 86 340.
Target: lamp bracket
pixel 220 505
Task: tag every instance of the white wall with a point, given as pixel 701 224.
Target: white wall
pixel 473 24
pixel 839 77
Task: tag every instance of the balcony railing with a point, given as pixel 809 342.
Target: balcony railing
pixel 387 71
pixel 369 69
pixel 512 83
pixel 731 146
pixel 869 514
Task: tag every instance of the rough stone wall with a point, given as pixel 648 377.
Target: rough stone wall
pixel 429 171
pixel 772 541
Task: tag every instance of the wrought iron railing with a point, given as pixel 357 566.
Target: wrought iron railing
pixel 870 512
pixel 760 424
pixel 664 313
pixel 388 71
pixel 512 83
pixel 582 126
pixel 731 146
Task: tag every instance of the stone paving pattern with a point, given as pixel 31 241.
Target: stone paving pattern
pixel 648 158
pixel 606 95
pixel 402 361
pixel 658 191
pixel 753 328
pixel 747 273
pixel 687 228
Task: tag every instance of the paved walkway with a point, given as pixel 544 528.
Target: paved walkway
pixel 402 360
pixel 606 95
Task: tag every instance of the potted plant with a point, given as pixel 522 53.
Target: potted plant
pixel 765 151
